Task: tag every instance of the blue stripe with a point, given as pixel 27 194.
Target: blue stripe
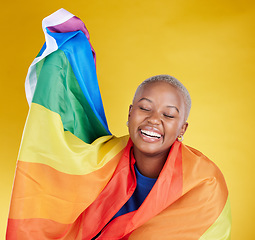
pixel 79 54
pixel 42 50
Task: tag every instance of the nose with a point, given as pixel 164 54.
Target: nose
pixel 154 118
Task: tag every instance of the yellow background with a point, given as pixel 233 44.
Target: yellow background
pixel 208 45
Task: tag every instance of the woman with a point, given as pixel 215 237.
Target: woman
pixel 75 181
pixel 178 192
pixel 156 119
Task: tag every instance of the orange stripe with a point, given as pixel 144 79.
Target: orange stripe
pixel 205 187
pixel 203 199
pixel 30 229
pixel 43 192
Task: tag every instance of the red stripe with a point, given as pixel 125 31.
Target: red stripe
pixel 112 198
pixel 166 190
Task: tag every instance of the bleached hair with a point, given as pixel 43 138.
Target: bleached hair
pixel 175 83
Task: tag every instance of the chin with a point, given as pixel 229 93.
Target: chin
pixel 152 149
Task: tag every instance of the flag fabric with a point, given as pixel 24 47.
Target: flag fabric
pixel 72 175
pixel 67 47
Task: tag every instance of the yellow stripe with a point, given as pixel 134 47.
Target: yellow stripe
pixel 221 228
pixel 45 141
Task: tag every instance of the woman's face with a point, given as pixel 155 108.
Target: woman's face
pixel 156 118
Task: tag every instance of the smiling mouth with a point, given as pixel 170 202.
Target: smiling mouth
pixel 150 134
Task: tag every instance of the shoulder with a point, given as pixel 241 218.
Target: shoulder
pixel 195 160
pixel 199 170
pixel 205 184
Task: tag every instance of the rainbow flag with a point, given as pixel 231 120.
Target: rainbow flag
pixel 72 175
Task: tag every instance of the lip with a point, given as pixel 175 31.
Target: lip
pixel 150 139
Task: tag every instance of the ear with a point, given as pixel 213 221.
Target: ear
pixel 184 128
pixel 130 108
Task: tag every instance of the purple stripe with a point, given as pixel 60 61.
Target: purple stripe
pixel 71 25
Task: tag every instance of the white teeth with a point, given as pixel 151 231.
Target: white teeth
pixel 150 134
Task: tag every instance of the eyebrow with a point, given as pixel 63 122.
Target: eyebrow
pixel 145 99
pixel 170 106
pixel 174 107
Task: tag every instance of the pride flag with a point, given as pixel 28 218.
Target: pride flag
pixel 72 175
pixel 57 161
pixel 62 78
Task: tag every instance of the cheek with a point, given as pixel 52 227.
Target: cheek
pixel 131 124
pixel 134 118
pixel 134 122
pixel 173 129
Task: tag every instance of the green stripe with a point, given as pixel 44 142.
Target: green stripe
pixel 39 66
pixel 58 90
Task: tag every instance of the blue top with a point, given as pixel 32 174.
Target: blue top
pixel 144 186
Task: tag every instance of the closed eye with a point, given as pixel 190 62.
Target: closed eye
pixel 144 109
pixel 168 116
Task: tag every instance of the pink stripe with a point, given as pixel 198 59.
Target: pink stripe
pixel 73 24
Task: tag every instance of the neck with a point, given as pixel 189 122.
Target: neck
pixel 149 166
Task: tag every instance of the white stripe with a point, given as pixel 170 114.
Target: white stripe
pixel 56 18
pixel 28 87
